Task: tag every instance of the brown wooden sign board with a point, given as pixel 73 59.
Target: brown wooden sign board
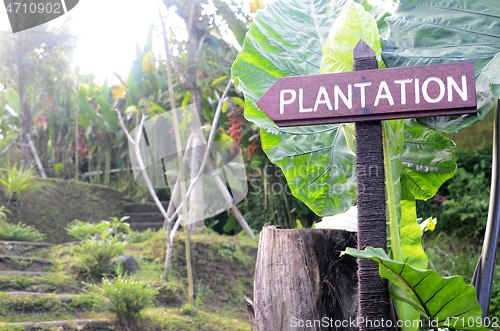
pixel 432 90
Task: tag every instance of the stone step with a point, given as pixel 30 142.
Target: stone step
pixel 145 217
pixel 39 282
pixel 65 325
pixel 143 226
pixel 23 263
pixel 25 273
pixel 142 207
pixel 24 248
pixel 14 303
pixel 65 298
pixel 25 243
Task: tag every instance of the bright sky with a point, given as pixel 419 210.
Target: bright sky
pixel 109 31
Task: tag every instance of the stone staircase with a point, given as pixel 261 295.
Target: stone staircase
pixel 32 292
pixel 143 215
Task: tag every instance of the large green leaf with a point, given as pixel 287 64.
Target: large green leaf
pixel 428 160
pixel 425 32
pixel 286 39
pixel 440 299
pixel 353 24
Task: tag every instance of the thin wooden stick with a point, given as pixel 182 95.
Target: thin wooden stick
pixel 138 155
pixel 77 125
pixel 181 170
pixel 12 142
pixel 35 155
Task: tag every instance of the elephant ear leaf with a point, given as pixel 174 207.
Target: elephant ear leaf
pixel 286 39
pixel 423 32
pixel 446 301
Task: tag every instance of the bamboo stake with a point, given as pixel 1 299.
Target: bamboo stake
pixel 35 155
pixel 181 170
pixel 77 125
pixel 12 142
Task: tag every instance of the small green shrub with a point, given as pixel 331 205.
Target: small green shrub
pixel 92 257
pixel 84 230
pixel 19 232
pixel 125 297
pixel 19 182
pixel 461 204
pixel 136 237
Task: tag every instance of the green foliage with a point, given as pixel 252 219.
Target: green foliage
pixel 85 230
pixel 19 232
pixel 419 288
pixel 18 182
pixel 136 237
pixel 92 257
pixel 278 45
pixel 117 228
pixel 433 31
pixel 461 204
pixel 125 297
pixel 451 257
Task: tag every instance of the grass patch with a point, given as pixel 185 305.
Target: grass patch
pixel 174 319
pixel 50 211
pixel 451 257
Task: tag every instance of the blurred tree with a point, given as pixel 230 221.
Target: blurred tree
pixel 28 60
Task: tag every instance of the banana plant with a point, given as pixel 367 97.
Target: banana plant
pixel 318 161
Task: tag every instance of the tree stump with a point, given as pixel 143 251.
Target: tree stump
pixel 302 283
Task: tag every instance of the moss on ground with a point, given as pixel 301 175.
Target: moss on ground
pixel 52 209
pixel 223 268
pixel 223 265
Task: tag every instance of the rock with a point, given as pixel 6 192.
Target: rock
pixel 128 262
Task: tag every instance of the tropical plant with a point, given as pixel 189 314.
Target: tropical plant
pixel 19 182
pixel 19 232
pixel 136 237
pixel 125 297
pixel 461 204
pixel 92 258
pixel 456 305
pixel 318 161
pixel 85 230
pixel 117 228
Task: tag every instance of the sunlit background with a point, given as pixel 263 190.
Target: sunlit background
pixel 109 31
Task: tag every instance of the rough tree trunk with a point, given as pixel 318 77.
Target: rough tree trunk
pixel 301 277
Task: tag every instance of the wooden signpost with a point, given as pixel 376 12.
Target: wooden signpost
pixel 365 96
pixel 433 90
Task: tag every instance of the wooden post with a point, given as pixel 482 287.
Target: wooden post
pixel 300 278
pixel 370 184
